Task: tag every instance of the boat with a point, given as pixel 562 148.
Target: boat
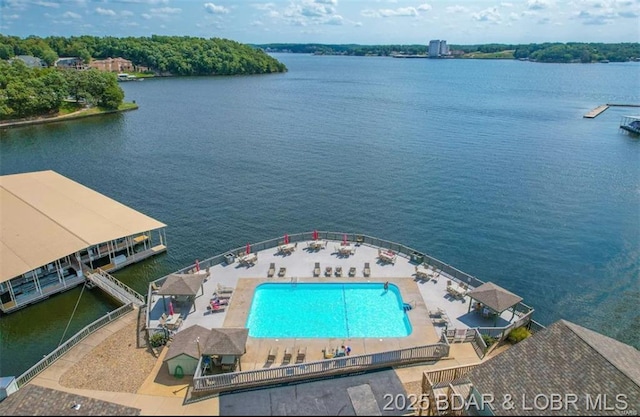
pixel 630 124
pixel 128 77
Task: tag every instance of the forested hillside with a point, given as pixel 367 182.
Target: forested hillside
pixel 168 55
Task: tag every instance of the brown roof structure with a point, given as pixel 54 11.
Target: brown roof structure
pixel 564 359
pixel 45 216
pixel 182 284
pixel 226 341
pixel 220 341
pixel 494 296
pixel 185 342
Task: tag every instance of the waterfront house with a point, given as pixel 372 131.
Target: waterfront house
pixel 112 64
pixel 56 233
pixel 69 63
pixel 565 369
pixel 31 61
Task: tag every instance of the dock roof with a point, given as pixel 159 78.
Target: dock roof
pixel 45 216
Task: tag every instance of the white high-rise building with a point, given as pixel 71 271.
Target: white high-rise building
pixel 438 48
pixel 434 48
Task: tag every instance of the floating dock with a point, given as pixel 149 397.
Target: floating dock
pixel 595 112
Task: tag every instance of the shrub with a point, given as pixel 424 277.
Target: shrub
pixel 518 334
pixel 158 339
pixel 488 340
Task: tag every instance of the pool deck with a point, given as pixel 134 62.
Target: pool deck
pixel 422 295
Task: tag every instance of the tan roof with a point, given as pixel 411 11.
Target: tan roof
pixel 494 296
pixel 182 284
pixel 45 216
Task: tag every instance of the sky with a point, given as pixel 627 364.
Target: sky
pixel 365 22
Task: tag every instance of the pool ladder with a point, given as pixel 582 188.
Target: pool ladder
pixel 408 306
pixel 294 281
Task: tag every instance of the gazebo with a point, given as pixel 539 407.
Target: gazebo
pixel 228 343
pixel 185 285
pixel 495 298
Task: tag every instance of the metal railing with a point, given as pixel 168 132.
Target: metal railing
pixel 115 288
pixel 44 363
pixel 317 369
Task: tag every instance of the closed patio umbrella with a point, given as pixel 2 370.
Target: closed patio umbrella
pixel 248 248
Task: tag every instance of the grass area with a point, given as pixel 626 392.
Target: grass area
pixel 508 54
pixel 127 106
pixel 69 107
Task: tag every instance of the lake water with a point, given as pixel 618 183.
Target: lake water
pixel 486 165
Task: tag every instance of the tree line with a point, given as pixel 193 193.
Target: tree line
pixel 544 52
pixel 27 92
pixel 165 55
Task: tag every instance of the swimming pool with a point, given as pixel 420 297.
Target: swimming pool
pixel 319 310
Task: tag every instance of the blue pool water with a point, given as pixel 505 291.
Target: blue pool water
pixel 319 310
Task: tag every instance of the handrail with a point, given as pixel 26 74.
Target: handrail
pixel 140 298
pixel 326 367
pixel 45 362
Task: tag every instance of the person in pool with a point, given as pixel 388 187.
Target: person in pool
pixel 386 285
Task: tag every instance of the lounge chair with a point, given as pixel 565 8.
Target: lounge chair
pixel 328 353
pixel 302 353
pixel 271 357
pixel 272 270
pixel 367 269
pixel 286 359
pixel 316 270
pixel 338 271
pixel 222 289
pixel 282 271
pixel 154 288
pixel 352 271
pixel 327 271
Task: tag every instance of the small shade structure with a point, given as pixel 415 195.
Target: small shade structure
pixel 494 297
pixel 227 342
pixel 188 285
pixel 185 350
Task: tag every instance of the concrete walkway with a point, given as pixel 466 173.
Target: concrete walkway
pixel 154 398
pixel 151 398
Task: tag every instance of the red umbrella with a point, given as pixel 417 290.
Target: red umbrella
pixel 248 248
pixel 171 308
pixel 286 239
pixel 197 265
pixel 344 239
pixel 315 235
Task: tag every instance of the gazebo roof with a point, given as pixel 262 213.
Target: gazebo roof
pixel 494 296
pixel 185 342
pixel 182 284
pixel 226 341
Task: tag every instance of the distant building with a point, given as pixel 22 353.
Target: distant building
pixel 438 48
pixel 70 63
pixel 112 64
pixel 31 61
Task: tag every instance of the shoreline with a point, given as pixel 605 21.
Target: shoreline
pixel 71 116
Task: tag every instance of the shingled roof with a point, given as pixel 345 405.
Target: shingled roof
pixel 182 284
pixel 184 342
pixel 34 400
pixel 562 359
pixel 226 341
pixel 494 296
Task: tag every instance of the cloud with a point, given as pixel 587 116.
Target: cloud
pixel 263 6
pixel 505 4
pixel 256 23
pixel 105 12
pixel 490 14
pixel 151 2
pixel 331 2
pixel 126 13
pixel 146 16
pixel 335 20
pixel 166 10
pixel 456 9
pixel 71 15
pixel 213 9
pixel 46 4
pixel 537 4
pixel 398 12
pixel 401 11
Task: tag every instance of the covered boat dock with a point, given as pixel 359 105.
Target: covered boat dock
pixel 55 232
